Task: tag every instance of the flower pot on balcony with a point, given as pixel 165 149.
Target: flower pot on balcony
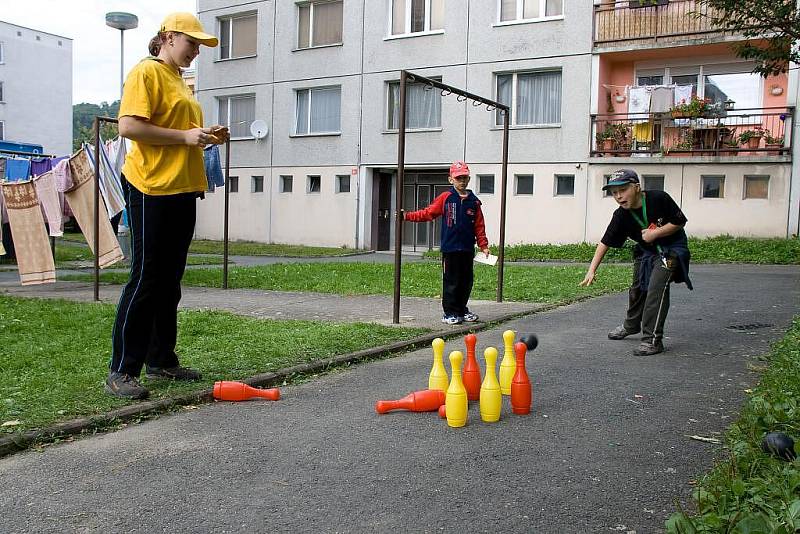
pixel 773 149
pixel 753 143
pixel 607 145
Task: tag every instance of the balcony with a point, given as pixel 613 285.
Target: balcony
pixel 759 132
pixel 623 23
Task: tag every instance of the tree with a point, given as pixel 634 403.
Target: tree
pixel 776 23
pixel 83 122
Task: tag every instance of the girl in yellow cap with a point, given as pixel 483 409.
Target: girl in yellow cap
pixel 163 175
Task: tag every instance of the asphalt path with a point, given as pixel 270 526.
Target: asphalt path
pixel 607 447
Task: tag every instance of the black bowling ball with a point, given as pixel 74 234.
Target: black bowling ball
pixel 530 340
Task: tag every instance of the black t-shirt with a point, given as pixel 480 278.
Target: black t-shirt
pixel 661 209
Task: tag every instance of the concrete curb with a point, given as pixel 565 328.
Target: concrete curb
pixel 19 442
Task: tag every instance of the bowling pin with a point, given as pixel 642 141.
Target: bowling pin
pixel 438 377
pixel 521 385
pixel 472 372
pixel 229 390
pixel 491 398
pixel 456 398
pixel 428 400
pixel 507 366
pixel 443 411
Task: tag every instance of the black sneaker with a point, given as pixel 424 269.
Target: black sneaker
pixel 620 333
pixel 648 349
pixel 123 385
pixel 173 373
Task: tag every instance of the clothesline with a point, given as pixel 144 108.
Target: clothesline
pixel 27 154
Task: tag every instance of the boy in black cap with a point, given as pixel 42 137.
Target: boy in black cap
pixel 661 256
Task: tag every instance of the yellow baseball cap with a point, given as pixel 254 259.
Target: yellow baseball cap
pixel 190 25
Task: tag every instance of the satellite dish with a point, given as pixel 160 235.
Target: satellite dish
pixel 259 129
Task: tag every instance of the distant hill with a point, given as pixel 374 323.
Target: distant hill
pixel 83 121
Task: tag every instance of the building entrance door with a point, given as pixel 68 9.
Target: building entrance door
pixel 419 190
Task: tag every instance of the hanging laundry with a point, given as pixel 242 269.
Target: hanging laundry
pixel 213 167
pixel 110 185
pixel 51 204
pixel 662 99
pixel 18 169
pixel 639 102
pixel 81 199
pixel 683 94
pixel 34 257
pixel 40 166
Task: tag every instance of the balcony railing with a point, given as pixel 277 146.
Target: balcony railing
pixel 750 132
pixel 656 20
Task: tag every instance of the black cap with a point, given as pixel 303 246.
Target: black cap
pixel 622 177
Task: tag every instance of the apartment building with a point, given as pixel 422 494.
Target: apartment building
pixel 32 64
pixel 320 79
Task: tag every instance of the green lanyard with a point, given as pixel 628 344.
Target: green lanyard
pixel 643 223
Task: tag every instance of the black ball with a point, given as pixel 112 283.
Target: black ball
pixel 780 445
pixel 530 340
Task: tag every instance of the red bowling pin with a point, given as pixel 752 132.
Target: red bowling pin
pixel 427 400
pixel 230 390
pixel 520 384
pixel 472 372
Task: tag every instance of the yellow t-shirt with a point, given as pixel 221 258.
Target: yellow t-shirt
pixel 156 92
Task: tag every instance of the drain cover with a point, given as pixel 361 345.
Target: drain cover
pixel 748 327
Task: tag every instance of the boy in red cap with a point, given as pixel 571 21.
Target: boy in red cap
pixel 463 225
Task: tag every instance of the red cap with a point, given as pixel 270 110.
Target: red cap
pixel 459 168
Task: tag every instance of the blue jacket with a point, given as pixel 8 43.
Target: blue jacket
pixel 463 222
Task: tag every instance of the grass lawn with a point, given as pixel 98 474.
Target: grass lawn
pixel 543 284
pixel 752 491
pixel 54 354
pixel 251 248
pixel 73 251
pixel 719 249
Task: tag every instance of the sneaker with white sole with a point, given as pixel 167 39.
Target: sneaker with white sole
pixel 451 319
pixel 124 385
pixel 470 317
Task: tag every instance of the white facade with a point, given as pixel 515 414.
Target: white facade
pixel 342 171
pixel 36 83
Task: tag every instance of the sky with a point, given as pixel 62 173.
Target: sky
pixel 95 46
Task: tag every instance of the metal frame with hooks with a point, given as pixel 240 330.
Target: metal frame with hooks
pixel 407 77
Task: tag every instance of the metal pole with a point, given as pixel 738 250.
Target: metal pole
pixel 225 223
pixel 96 209
pixel 504 182
pixel 398 225
pixel 121 62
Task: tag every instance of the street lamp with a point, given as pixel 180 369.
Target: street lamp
pixel 121 21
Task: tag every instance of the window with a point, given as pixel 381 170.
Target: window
pixel 534 97
pixel 343 183
pixel 565 185
pixel 233 182
pixel 318 110
pixel 237 112
pixel 653 182
pixel 606 179
pixel 647 3
pixel 756 186
pixel 319 24
pixel 286 184
pixel 524 184
pixel 238 36
pixel 2 99
pixel 486 184
pixel 712 186
pixel 314 181
pixel 642 81
pixel 423 107
pixel 2 130
pixel 2 53
pixel 256 184
pixel 415 16
pixel 511 10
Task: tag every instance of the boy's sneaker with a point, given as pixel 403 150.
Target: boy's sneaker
pixel 451 319
pixel 470 317
pixel 173 373
pixel 620 333
pixel 124 385
pixel 648 349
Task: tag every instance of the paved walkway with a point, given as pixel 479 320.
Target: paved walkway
pixel 607 447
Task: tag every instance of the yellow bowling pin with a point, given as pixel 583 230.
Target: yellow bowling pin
pixel 509 364
pixel 491 398
pixel 438 377
pixel 456 399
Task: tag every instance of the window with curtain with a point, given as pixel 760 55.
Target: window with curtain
pixel 756 187
pixel 415 16
pixel 256 184
pixel 237 113
pixel 318 110
pixel 314 183
pixel 319 24
pixel 238 36
pixel 534 97
pixel 286 183
pixel 423 106
pixel 511 10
